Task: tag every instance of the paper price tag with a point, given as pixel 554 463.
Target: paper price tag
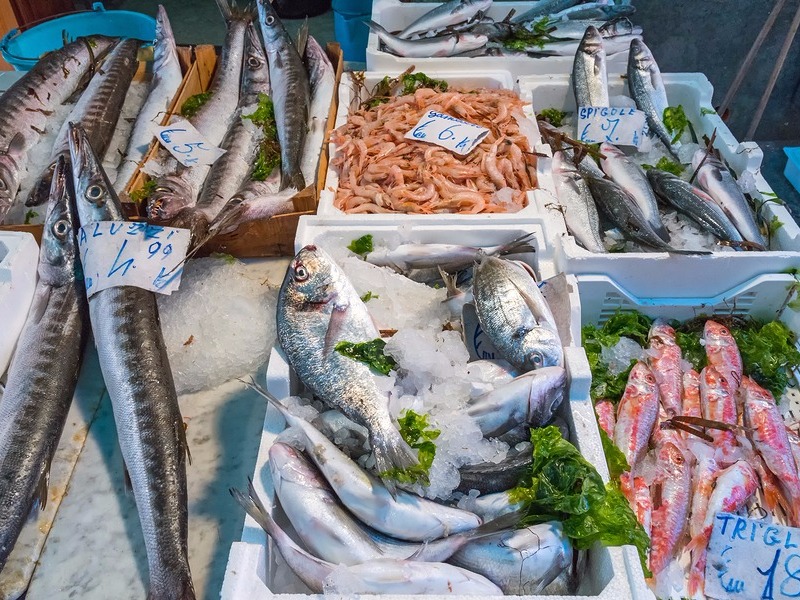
pixel 448 132
pixel 618 126
pixel 187 144
pixel 752 560
pixel 115 253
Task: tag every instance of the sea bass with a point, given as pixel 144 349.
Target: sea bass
pixel 133 359
pixel 647 89
pixel 381 576
pixel 44 370
pixel 442 45
pixel 665 360
pixel 589 76
pixel 636 414
pixel 514 314
pixel 579 208
pixel 445 15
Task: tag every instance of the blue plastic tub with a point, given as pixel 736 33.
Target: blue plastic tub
pixel 792 170
pixel 22 49
pixel 349 25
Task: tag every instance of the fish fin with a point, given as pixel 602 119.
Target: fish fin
pixel 40 495
pixel 39 304
pixel 225 10
pixel 376 28
pixel 183 441
pixel 335 325
pixel 518 245
pixel 449 280
pixel 126 478
pixel 689 252
pixel 507 521
pixel 273 400
pixel 293 180
pixel 17 145
pixel 661 231
pixel 302 38
pixel 391 452
pixel 253 506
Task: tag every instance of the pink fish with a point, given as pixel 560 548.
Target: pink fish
pixel 637 413
pixel 705 471
pixel 719 404
pixel 691 394
pixel 733 487
pixel 638 494
pixel 671 514
pixel 768 434
pixel 606 417
pixel 723 353
pixel 665 361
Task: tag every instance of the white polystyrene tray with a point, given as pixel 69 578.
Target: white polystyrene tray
pixel 19 257
pixel 396 16
pixel 611 573
pixel 488 79
pixel 695 276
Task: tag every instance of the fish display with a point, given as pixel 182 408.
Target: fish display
pixel 589 74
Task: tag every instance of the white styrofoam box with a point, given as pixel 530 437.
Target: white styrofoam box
pixel 19 257
pixel 396 16
pixel 694 276
pixel 497 79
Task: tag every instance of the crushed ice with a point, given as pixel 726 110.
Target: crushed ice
pixel 619 356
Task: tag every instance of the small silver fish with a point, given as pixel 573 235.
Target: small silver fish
pixel 445 15
pixel 444 45
pixel 589 75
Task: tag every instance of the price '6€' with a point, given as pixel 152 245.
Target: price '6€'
pixel 448 132
pixel 187 144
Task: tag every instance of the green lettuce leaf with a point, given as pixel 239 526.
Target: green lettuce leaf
pixel 362 246
pixel 370 353
pixel 768 353
pixel 617 463
pixel 418 434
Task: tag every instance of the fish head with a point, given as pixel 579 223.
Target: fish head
pixel 658 178
pixel 541 347
pixel 311 279
pixel 641 378
pixel 57 258
pixel 716 335
pixel 95 197
pixel 255 74
pixel 272 28
pixel 610 151
pixel 592 42
pixel 289 465
pixel 640 55
pixel 712 380
pixel 9 169
pixel 164 49
pixel 752 390
pixel 171 195
pixel 661 334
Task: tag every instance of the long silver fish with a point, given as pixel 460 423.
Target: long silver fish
pixel 514 314
pixel 523 561
pixel 543 8
pixel 133 359
pixel 404 515
pixel 291 93
pixel 98 109
pixel 443 45
pixel 611 46
pixel 589 75
pixel 602 9
pixel 647 89
pixel 44 371
pixel 694 203
pixel 322 78
pixel 318 308
pixel 574 30
pixel 715 178
pixel 180 189
pixel 167 78
pixel 327 529
pixel 631 177
pixel 26 107
pixel 445 15
pixel 381 576
pixel 580 211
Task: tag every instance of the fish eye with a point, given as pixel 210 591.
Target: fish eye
pixel 270 20
pixel 300 273
pixel 60 228
pixel 723 331
pixel 253 62
pixel 649 378
pixel 536 359
pixel 94 192
pixel 3 186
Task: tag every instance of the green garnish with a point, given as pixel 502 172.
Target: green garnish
pixel 553 116
pixel 418 433
pixel 675 121
pixel 92 42
pixel 665 164
pixel 269 151
pixel 30 215
pixel 617 463
pixel 227 258
pixel 369 296
pixel 773 226
pixel 264 114
pixel 768 353
pixel 411 82
pixel 562 485
pixel 691 349
pixel 143 193
pixel 193 104
pixel 362 246
pixel 707 111
pixel 370 353
pixel 523 40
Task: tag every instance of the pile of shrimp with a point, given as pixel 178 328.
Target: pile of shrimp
pixel 382 172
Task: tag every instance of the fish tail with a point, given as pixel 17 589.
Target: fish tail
pixel 697 570
pixel 294 180
pixel 376 28
pixel 661 231
pixel 519 245
pixel 231 12
pixel 254 507
pixel 392 454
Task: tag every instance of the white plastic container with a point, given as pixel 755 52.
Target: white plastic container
pixel 395 16
pixel 19 257
pixel 692 276
pixel 255 568
pixel 487 79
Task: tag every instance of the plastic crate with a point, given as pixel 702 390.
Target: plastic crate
pixel 19 258
pixel 792 170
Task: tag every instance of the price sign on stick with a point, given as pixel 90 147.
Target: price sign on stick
pixel 448 132
pixel 115 253
pixel 187 144
pixel 752 560
pixel 618 126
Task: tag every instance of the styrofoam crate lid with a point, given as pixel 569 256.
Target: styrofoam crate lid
pixel 19 257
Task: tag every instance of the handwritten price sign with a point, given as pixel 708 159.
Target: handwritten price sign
pixel 115 253
pixel 448 132
pixel 752 560
pixel 618 126
pixel 187 144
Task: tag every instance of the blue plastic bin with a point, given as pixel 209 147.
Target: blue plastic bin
pixel 792 170
pixel 22 49
pixel 349 25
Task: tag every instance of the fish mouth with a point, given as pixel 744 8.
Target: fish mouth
pixel 165 204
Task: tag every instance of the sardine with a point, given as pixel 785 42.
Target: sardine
pixel 647 89
pixel 26 107
pixel 404 516
pixel 606 417
pixel 317 308
pixel 514 314
pixel 768 433
pixel 291 94
pixel 443 45
pixel 715 178
pixel 381 576
pixel 44 371
pixel 589 76
pixel 166 80
pixel 719 404
pixel 637 493
pixel 543 8
pixel 135 367
pixel 723 353
pixel 666 362
pixel 531 399
pixel 636 414
pixel 694 203
pixel 523 561
pixel 98 110
pixel 578 206
pixel 445 15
